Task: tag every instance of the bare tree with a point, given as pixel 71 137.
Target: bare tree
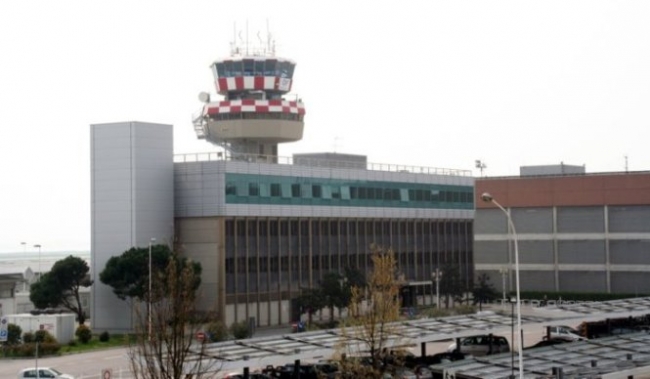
pixel 373 326
pixel 166 326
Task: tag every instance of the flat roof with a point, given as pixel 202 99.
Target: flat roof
pixel 317 345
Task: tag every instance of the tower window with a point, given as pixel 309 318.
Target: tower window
pixel 269 67
pixel 249 67
pixel 259 68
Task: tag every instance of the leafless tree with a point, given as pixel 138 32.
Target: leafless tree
pixel 373 326
pixel 165 346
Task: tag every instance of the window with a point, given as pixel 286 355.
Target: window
pixel 286 190
pixel 326 192
pixel 275 190
pixel 269 67
pixel 231 189
pixel 345 193
pixel 259 68
pixel 249 67
pixel 237 68
pixel 253 189
pixel 295 190
pixel 316 191
pixel 227 69
pixel 220 70
pixel 282 69
pixel 264 190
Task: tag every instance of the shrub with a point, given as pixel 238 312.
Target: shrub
pixel 48 348
pixel 28 337
pixel 83 334
pixel 240 330
pixel 217 332
pixel 43 336
pixel 104 336
pixel 72 343
pixel 13 334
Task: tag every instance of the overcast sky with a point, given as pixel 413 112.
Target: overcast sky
pixel 423 83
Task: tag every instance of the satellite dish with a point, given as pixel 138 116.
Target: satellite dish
pixel 204 97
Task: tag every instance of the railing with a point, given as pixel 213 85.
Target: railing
pixel 321 163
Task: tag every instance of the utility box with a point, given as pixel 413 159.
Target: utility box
pixel 61 326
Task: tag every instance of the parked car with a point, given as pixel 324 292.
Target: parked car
pixel 423 372
pixel 546 342
pixel 484 344
pixel 255 375
pixel 43 372
pixel 563 332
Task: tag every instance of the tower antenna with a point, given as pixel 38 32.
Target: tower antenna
pixel 480 165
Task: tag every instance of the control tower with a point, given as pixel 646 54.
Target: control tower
pixel 254 116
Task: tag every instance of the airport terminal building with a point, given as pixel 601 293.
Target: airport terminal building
pixel 577 232
pixel 264 227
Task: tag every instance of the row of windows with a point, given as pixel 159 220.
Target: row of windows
pixel 251 265
pixel 318 227
pixel 258 116
pixel 264 189
pixel 250 67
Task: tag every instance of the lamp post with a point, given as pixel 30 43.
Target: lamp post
pixel 151 242
pixel 39 261
pixel 488 198
pixel 435 276
pixel 512 335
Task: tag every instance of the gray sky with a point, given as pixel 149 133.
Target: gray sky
pixel 423 83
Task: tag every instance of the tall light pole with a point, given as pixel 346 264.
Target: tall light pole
pixel 39 261
pixel 436 275
pixel 151 242
pixel 489 199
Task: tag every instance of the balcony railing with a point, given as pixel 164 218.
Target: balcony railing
pixel 321 163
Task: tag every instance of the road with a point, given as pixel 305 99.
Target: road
pixel 80 365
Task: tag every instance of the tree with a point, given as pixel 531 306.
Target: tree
pixel 60 286
pixel 373 327
pixel 310 301
pixel 335 292
pixel 166 352
pixel 483 291
pixel 451 285
pixel 128 274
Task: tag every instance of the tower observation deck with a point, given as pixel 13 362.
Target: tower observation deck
pixel 254 116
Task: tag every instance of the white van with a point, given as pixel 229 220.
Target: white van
pixel 563 332
pixel 43 372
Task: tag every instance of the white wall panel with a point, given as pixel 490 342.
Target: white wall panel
pixel 131 202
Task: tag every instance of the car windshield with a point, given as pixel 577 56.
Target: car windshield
pixel 56 371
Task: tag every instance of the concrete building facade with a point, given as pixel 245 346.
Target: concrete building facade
pixel 263 232
pixel 132 201
pixel 580 232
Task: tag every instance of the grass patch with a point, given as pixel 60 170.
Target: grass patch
pixel 116 340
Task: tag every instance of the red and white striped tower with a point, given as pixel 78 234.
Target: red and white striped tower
pixel 254 115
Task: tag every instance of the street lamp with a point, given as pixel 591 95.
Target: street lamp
pixel 151 242
pixel 39 261
pixel 512 301
pixel 435 276
pixel 489 199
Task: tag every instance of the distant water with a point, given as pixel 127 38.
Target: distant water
pixel 44 256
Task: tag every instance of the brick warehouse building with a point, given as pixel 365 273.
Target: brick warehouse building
pixel 576 232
